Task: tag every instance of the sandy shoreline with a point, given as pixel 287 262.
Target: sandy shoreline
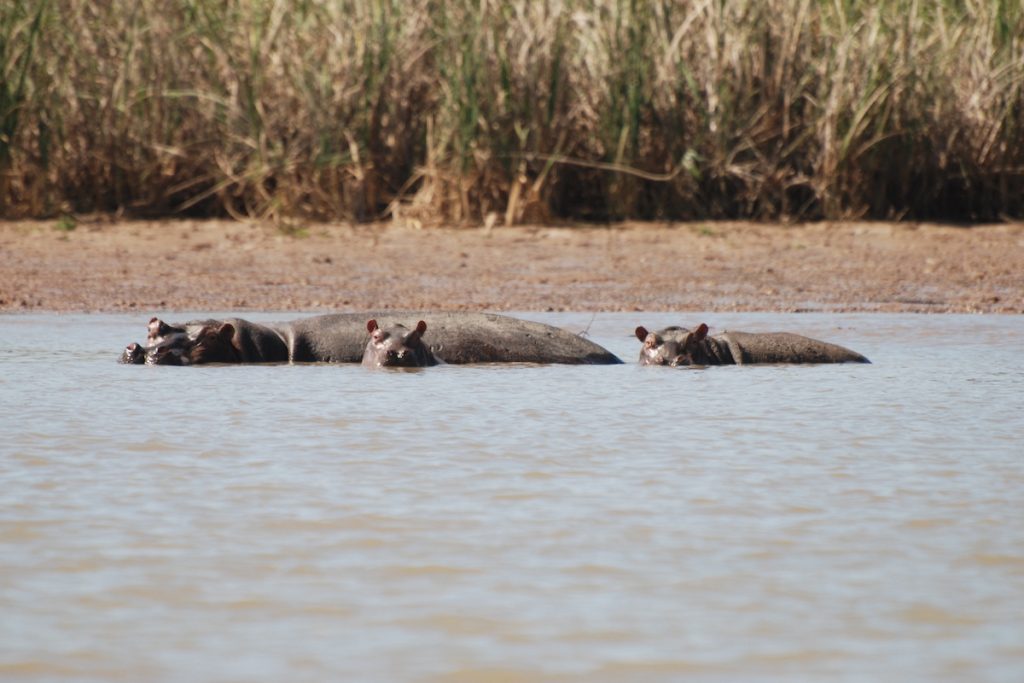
pixel 226 266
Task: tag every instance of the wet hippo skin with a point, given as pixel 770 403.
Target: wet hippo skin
pixel 454 337
pixel 133 354
pixel 397 347
pixel 680 346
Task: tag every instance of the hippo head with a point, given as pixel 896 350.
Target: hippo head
pixel 133 354
pixel 171 349
pixel 215 344
pixel 209 344
pixel 396 347
pixel 671 346
pixel 157 330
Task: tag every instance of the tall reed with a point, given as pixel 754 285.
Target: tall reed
pixel 513 110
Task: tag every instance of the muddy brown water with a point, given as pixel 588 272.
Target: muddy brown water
pixel 312 523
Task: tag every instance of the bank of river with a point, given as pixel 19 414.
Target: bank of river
pixel 152 267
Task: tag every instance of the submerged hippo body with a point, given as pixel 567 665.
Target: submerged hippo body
pixel 680 346
pixel 397 347
pixel 455 337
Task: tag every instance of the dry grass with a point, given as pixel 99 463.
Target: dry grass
pixel 508 111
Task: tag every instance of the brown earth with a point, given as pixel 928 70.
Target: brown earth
pixel 152 267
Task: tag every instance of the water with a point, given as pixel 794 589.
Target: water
pixel 327 523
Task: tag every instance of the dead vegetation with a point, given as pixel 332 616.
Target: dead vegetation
pixel 490 111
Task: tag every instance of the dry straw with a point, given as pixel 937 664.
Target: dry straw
pixel 478 110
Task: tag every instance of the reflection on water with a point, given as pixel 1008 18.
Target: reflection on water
pixel 516 523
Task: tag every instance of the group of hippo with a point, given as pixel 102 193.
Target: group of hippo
pixel 457 338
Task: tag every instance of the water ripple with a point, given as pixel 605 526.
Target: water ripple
pixel 575 524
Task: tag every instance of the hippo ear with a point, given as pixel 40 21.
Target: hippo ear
pixel 414 336
pixel 641 333
pixel 226 332
pixel 371 325
pixel 700 332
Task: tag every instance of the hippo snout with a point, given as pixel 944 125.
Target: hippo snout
pixel 158 356
pixel 169 352
pixel 133 354
pixel 401 358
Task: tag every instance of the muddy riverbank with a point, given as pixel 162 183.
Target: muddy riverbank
pixel 152 266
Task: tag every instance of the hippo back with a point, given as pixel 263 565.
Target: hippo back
pixel 490 338
pixel 784 347
pixel 334 338
pixel 454 337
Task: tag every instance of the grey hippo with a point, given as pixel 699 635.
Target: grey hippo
pixel 455 337
pixel 397 347
pixel 679 346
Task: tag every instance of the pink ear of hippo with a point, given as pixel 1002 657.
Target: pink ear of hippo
pixel 641 333
pixel 371 325
pixel 701 332
pixel 226 332
pixel 421 327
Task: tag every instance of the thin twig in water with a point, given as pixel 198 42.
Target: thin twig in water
pixel 585 332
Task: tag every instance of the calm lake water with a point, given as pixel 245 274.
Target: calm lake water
pixel 332 523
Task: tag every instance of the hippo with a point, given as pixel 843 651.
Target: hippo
pixel 157 330
pixel 680 346
pixel 397 347
pixel 133 354
pixel 455 337
pixel 164 346
pixel 212 343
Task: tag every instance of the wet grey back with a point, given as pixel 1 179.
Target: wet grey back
pixel 453 336
pixel 784 347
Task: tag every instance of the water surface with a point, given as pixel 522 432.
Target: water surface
pixel 316 523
